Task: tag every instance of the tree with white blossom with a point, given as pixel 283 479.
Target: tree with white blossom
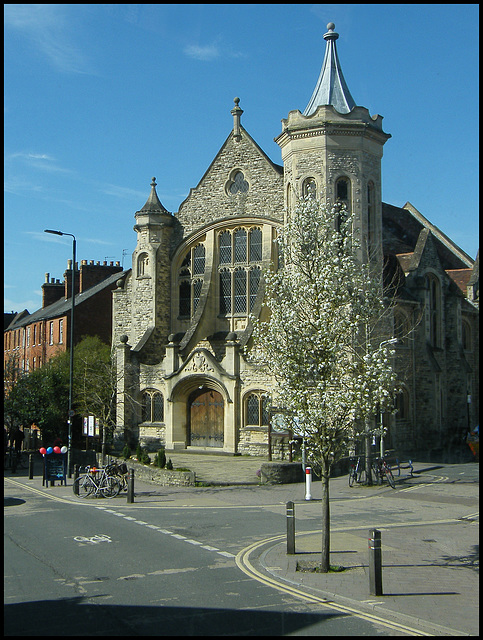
pixel 323 338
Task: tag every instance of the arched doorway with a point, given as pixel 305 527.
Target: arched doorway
pixel 206 418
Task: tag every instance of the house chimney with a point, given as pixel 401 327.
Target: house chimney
pixel 52 290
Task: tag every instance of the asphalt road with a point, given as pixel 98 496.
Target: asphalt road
pixel 167 566
pixel 75 569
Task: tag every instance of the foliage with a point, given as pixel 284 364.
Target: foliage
pixel 323 339
pixel 94 380
pixel 160 459
pixel 322 335
pixel 42 397
pixel 126 452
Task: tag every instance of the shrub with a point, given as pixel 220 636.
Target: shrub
pixel 160 459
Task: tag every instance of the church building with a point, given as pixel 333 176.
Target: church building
pixel 181 315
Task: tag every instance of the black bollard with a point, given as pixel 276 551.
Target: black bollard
pixel 31 466
pixel 375 563
pixel 130 486
pixel 76 484
pixel 290 527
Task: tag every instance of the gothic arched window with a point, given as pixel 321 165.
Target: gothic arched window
pixel 343 191
pixel 152 405
pixel 239 260
pixel 466 335
pixel 434 311
pixel 309 188
pixel 402 404
pixel 371 218
pixel 142 265
pixel 190 280
pixel 256 409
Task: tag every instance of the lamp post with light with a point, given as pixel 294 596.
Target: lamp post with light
pixel 71 353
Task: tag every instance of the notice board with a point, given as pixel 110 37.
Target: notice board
pixel 55 467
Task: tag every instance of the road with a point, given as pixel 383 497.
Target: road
pixel 169 567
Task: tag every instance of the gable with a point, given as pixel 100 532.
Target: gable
pixel 223 193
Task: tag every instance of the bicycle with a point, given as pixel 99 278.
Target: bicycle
pixel 357 472
pixel 118 471
pixel 96 482
pixel 383 470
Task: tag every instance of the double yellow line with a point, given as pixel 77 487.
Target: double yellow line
pixel 244 563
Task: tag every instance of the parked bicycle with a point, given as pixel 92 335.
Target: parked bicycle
pixel 383 472
pixel 357 472
pixel 96 482
pixel 118 471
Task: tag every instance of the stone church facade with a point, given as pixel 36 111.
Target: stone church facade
pixel 181 314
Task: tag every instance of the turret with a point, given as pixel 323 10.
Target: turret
pixel 334 150
pixel 151 269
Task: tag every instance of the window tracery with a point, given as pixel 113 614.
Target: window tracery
pixel 239 261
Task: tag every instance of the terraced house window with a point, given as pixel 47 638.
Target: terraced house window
pixel 239 262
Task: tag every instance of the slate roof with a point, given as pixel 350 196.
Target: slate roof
pixel 63 306
pixel 331 87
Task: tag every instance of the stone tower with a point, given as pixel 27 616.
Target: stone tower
pixel 150 306
pixel 334 150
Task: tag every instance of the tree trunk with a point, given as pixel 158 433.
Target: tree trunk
pixel 325 562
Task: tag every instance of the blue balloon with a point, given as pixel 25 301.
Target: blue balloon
pixel 49 450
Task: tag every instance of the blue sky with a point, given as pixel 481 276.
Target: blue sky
pixel 100 98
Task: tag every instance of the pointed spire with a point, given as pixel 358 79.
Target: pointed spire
pixel 153 205
pixel 331 88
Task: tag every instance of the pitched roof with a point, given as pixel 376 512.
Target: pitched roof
pixel 64 306
pixel 402 227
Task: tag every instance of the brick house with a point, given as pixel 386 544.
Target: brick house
pixel 31 339
pixel 181 314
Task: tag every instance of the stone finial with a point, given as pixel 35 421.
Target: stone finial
pixel 236 112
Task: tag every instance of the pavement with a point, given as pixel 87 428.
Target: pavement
pixel 430 582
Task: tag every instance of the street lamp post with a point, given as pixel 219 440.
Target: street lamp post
pixel 71 352
pixel 381 441
pixel 367 435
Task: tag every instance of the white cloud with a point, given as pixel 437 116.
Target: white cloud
pixel 205 54
pixel 47 27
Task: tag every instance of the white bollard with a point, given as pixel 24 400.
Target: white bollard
pixel 308 483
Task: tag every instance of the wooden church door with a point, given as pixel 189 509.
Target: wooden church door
pixel 206 418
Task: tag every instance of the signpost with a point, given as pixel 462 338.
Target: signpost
pixel 55 468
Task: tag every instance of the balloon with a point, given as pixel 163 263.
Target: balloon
pixel 64 449
pixel 56 449
pixel 43 450
pixel 49 449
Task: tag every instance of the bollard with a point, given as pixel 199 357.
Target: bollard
pixel 375 563
pixel 130 486
pixel 31 466
pixel 308 483
pixel 290 527
pixel 76 475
